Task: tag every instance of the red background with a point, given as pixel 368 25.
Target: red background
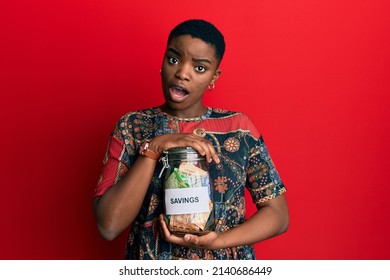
pixel 313 76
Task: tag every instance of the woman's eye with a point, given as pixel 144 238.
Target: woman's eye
pixel 173 60
pixel 200 68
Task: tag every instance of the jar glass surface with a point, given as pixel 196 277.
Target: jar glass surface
pixel 188 192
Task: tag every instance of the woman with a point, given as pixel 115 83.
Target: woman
pixel 130 193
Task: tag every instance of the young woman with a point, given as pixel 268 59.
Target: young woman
pixel 130 193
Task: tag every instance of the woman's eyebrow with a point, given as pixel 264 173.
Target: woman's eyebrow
pixel 176 52
pixel 204 60
pixel 198 60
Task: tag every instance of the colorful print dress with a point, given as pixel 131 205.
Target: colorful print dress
pixel 245 162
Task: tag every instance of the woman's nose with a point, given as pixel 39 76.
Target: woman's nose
pixel 183 72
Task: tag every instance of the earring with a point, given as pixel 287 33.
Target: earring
pixel 211 87
pixel 160 71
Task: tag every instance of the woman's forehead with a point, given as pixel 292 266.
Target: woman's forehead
pixel 190 46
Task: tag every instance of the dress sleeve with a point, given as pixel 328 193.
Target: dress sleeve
pixel 118 158
pixel 263 181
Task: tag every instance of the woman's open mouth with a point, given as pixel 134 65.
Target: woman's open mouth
pixel 178 93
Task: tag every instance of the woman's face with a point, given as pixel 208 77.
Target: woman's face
pixel 189 67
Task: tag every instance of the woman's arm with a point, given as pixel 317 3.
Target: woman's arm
pixel 271 219
pixel 117 208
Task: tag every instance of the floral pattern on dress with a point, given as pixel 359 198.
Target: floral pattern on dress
pixel 154 202
pixel 231 144
pixel 220 184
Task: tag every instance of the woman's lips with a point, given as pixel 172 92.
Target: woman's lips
pixel 178 94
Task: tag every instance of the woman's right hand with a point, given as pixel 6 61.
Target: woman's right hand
pixel 161 143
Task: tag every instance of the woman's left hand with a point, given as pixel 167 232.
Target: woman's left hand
pixel 208 241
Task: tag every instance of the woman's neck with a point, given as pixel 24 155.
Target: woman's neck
pixel 186 113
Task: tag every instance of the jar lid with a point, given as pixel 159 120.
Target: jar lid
pixel 183 153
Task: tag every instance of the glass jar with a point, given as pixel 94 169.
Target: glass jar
pixel 188 192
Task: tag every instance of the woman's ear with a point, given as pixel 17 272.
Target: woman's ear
pixel 216 76
pixel 211 86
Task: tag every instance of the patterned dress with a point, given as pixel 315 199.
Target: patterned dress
pixel 245 162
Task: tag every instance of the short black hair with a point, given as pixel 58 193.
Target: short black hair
pixel 201 29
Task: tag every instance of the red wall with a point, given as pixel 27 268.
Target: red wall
pixel 313 76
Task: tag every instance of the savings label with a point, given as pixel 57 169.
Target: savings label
pixel 186 201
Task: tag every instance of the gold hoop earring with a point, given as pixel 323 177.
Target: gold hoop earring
pixel 211 87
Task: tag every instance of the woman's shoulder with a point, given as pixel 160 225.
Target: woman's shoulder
pixel 139 114
pixel 234 120
pixel 135 121
pixel 223 113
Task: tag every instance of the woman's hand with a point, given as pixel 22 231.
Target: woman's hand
pixel 209 241
pixel 204 147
